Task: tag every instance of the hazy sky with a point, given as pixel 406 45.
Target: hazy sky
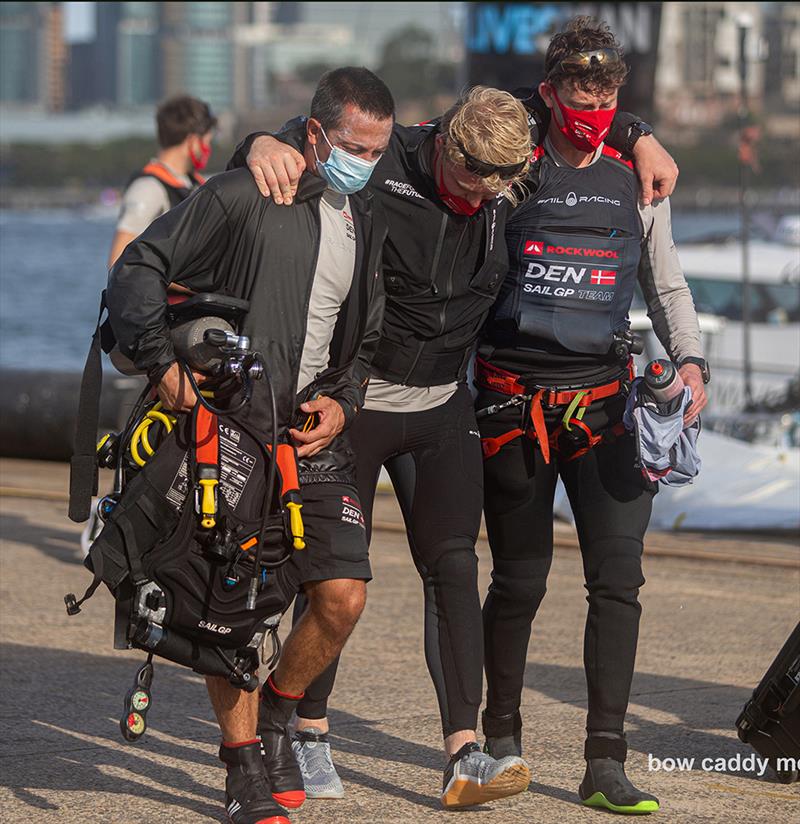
pixel 79 22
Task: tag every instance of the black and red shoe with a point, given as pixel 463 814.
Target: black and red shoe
pixel 283 771
pixel 248 799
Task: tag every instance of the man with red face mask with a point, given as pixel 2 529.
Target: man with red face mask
pixel 553 372
pixel 185 130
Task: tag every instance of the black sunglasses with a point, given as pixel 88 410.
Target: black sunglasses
pixel 483 169
pixel 585 60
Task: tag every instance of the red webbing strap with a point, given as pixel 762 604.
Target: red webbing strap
pixel 489 376
pixel 491 446
pixel 539 426
pixel 206 437
pixel 594 393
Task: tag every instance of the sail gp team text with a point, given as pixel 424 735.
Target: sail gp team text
pixel 557 273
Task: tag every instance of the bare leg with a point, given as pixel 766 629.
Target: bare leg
pixel 236 710
pixel 320 724
pixel 334 608
pixel 453 743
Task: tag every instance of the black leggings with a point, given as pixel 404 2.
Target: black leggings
pixel 434 461
pixel 611 503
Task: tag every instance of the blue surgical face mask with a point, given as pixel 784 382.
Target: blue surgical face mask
pixel 344 172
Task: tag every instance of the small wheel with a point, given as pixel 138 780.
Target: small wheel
pixel 787 776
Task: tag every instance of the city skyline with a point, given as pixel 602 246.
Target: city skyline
pixel 61 64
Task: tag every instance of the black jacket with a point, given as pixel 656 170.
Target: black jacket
pixel 226 238
pixel 442 271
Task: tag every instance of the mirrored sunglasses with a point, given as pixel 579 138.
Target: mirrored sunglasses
pixel 585 60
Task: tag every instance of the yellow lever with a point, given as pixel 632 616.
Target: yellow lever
pixel 208 506
pixel 296 524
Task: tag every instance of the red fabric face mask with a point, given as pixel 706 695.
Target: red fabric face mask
pixel 459 205
pixel 200 162
pixel 585 130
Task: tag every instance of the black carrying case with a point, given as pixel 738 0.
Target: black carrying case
pixel 770 720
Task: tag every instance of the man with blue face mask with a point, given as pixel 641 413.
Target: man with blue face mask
pixel 310 275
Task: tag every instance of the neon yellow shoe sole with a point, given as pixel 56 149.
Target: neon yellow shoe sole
pixel 642 808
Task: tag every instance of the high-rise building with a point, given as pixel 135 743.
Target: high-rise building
pixel 782 71
pixel 19 52
pixel 138 58
pixel 697 82
pixel 92 73
pixel 198 50
pixel 32 55
pixel 52 58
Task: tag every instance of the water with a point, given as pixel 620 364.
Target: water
pixel 53 268
pixel 52 271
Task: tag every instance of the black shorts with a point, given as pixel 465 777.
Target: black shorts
pixel 335 535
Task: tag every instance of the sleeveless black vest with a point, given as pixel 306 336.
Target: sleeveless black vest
pixel 574 248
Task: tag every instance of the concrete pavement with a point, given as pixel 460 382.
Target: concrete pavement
pixel 709 630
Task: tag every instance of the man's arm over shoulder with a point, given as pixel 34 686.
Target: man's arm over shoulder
pixel 292 133
pixel 670 305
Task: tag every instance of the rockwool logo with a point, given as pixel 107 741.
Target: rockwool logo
pixel 534 247
pixel 582 251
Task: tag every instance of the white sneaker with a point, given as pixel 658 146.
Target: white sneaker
pixel 313 753
pixel 473 777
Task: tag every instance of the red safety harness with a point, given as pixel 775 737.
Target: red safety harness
pixel 488 376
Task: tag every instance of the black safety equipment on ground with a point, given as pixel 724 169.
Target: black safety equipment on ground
pixel 770 720
pixel 201 516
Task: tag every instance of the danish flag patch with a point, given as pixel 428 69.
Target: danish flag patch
pixel 603 277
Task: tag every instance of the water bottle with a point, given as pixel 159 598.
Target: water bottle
pixel 664 385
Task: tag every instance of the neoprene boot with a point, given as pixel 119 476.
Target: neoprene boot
pixel 605 783
pixel 503 734
pixel 275 710
pixel 248 799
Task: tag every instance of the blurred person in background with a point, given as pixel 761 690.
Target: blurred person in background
pixel 578 246
pixel 185 130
